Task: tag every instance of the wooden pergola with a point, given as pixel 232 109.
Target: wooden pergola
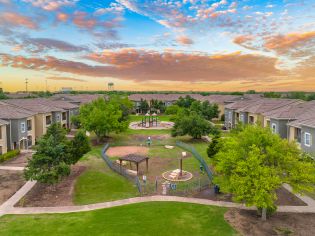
pixel 137 159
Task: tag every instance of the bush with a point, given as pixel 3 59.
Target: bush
pixel 9 155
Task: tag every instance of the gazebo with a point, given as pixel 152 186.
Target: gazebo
pixel 137 159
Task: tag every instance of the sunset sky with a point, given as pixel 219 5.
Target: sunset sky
pixel 194 45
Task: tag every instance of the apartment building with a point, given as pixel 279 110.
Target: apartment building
pixel 45 114
pixel 19 127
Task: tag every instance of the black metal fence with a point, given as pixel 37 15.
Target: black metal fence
pixel 193 151
pixel 119 169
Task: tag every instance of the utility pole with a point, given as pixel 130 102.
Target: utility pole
pixel 26 85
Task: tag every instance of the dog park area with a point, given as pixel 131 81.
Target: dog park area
pixel 142 163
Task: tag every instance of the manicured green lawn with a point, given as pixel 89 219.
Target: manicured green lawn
pixel 99 183
pixel 143 219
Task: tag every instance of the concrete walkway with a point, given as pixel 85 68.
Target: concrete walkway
pixel 11 168
pixel 9 204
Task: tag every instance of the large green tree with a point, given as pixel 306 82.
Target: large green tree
pixel 54 155
pixel 185 101
pixel 253 163
pixel 192 124
pixel 205 109
pixel 102 117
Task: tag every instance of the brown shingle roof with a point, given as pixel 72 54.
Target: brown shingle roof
pixel 9 112
pixel 293 111
pixel 266 104
pixel 220 99
pixel 78 98
pixel 172 97
pixel 33 105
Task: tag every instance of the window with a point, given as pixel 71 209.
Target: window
pixel 274 128
pixel 251 120
pixel 64 116
pixel 48 120
pixel 23 127
pixel 29 125
pixel 307 139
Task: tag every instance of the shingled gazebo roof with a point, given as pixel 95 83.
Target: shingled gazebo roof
pixel 134 158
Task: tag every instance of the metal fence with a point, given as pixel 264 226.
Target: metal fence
pixel 197 156
pixel 173 188
pixel 118 169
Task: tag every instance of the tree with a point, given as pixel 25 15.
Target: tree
pixel 193 125
pixel 54 155
pixel 205 109
pixel 214 146
pixel 272 95
pixel 144 106
pixel 79 146
pixel 172 110
pixel 102 117
pixel 48 164
pixel 253 163
pixel 185 102
pixel 124 104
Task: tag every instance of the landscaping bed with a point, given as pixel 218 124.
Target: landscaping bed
pixel 248 223
pixel 20 160
pixel 10 182
pixel 43 195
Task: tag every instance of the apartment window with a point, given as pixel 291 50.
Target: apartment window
pixel 307 139
pixel 29 125
pixel 23 127
pixel 274 128
pixel 48 120
pixel 251 120
pixel 64 116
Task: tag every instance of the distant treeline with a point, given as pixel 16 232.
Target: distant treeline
pixel 306 96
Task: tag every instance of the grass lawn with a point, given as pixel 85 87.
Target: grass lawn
pixel 155 218
pixel 99 183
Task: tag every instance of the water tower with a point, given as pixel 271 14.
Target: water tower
pixel 110 86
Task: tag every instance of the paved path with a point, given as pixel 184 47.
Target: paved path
pixel 9 204
pixel 11 168
pixel 68 209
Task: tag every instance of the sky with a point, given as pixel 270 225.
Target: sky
pixel 189 45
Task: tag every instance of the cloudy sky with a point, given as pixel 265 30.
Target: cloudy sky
pixel 208 45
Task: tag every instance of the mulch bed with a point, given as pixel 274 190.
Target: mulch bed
pixel 248 223
pixel 285 198
pixel 20 160
pixel 10 182
pixel 43 195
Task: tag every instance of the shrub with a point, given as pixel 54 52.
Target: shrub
pixel 9 155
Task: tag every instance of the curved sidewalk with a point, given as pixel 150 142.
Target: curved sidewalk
pixel 83 208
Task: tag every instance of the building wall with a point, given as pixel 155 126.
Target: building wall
pixel 17 134
pixel 281 127
pixel 311 131
pixel 32 132
pixel 229 118
pixel 244 117
pixel 3 140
